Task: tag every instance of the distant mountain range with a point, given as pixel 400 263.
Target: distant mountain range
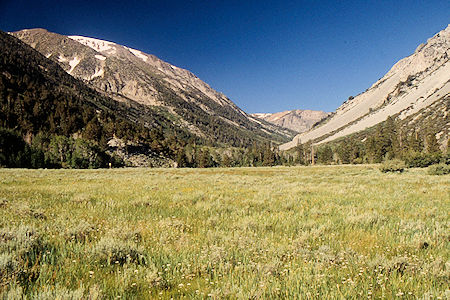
pixel 131 76
pixel 298 120
pixel 415 89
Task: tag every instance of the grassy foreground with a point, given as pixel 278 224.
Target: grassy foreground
pixel 299 232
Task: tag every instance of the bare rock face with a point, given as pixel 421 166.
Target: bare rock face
pixel 126 74
pixel 297 120
pixel 412 84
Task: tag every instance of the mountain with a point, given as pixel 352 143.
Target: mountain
pixel 64 122
pixel 298 120
pixel 132 76
pixel 413 84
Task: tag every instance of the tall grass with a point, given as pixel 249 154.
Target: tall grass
pixel 299 232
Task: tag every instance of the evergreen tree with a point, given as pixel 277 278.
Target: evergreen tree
pixel 390 136
pixel 181 159
pixel 269 157
pixel 431 144
pixel 343 152
pixel 414 142
pixel 325 155
pixel 204 159
pixel 226 160
pixel 300 154
pixel 93 130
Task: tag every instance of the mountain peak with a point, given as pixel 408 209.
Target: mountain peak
pixel 298 120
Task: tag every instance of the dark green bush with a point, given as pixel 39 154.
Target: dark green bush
pixel 422 160
pixel 115 251
pixel 394 165
pixel 439 169
pixel 446 158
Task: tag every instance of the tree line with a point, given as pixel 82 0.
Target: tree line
pixel 387 140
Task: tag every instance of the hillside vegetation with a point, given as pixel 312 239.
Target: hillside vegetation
pixel 420 140
pixel 63 122
pixel 300 232
pixel 50 119
pixel 169 92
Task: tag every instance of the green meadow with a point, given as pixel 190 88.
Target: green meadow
pixel 323 232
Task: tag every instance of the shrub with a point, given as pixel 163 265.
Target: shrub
pixel 397 264
pixel 422 160
pixel 127 233
pixel 114 251
pixel 446 158
pixel 145 276
pixel 366 219
pixel 23 240
pixel 80 232
pixel 439 169
pixel 29 251
pixel 394 165
pixel 3 202
pixel 7 265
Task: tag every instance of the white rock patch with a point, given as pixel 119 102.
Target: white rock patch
pixel 98 73
pixel 138 53
pixel 101 57
pixel 96 44
pixel 73 63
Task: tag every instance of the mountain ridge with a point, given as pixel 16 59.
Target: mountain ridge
pixel 126 74
pixel 64 122
pixel 412 84
pixel 299 120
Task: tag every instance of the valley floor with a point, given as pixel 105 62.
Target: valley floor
pixel 287 232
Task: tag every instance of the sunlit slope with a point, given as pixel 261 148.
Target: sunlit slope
pixel 412 84
pixel 127 74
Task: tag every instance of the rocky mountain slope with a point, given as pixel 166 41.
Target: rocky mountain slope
pixel 127 74
pixel 63 121
pixel 298 120
pixel 413 84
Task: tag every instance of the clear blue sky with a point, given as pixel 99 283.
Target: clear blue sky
pixel 266 56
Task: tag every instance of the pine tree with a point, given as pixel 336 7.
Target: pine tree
pixel 307 153
pixel 371 149
pixel 431 144
pixel 390 137
pixel 268 156
pixel 325 155
pixel 226 160
pixel 93 130
pixel 414 142
pixel 204 159
pixel 343 152
pixel 181 158
pixel 300 154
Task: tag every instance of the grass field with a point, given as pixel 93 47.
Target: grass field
pixel 299 232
